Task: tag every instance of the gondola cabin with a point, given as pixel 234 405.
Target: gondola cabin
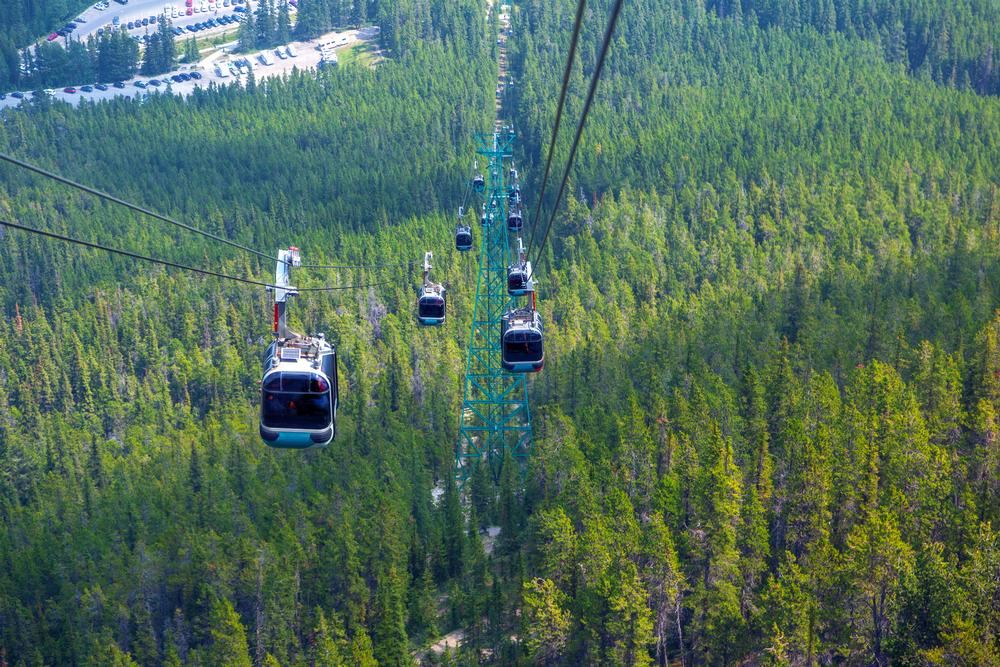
pixel 522 349
pixel 463 238
pixel 515 222
pixel 298 408
pixel 431 305
pixel 518 283
pixel 479 183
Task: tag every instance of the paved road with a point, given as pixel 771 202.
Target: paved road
pixel 140 9
pixel 307 58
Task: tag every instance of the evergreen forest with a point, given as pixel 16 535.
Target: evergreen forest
pixel 768 427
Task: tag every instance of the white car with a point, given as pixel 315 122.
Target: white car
pixel 291 53
pixel 221 72
pixel 280 54
pixel 204 6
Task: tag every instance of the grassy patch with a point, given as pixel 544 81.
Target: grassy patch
pixel 363 53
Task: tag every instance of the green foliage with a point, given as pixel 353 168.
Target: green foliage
pixel 767 431
pixel 161 51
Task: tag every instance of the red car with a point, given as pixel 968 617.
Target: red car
pixel 69 89
pixel 52 37
pixel 189 12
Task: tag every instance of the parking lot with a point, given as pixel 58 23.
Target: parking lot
pixel 210 70
pixel 97 20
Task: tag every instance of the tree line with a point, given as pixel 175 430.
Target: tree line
pixel 766 431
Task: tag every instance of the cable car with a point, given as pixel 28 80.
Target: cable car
pixel 298 407
pixel 519 279
pixel 515 222
pixel 463 238
pixel 478 183
pixel 514 198
pixel 463 233
pixel 522 348
pixel 431 304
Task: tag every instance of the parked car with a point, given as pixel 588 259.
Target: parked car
pixel 100 86
pixel 196 75
pixel 140 84
pixel 130 25
pixel 291 53
pixel 69 89
pixel 239 9
pixel 154 82
pixel 86 89
pixel 119 84
pixel 3 96
pixel 280 54
pixel 152 20
pixel 61 33
pixel 52 37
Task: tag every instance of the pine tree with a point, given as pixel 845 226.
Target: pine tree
pixel 718 499
pixel 229 638
pixel 265 23
pixel 389 635
pixel 453 530
pixel 283 29
pixel 880 564
pixel 327 644
pixel 191 54
pixel 247 34
pixel 546 621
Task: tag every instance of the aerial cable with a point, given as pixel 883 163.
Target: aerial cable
pixel 145 211
pixel 134 207
pixel 335 267
pixel 163 262
pixel 580 8
pixel 595 79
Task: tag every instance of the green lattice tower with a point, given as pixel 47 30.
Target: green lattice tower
pixel 495 418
